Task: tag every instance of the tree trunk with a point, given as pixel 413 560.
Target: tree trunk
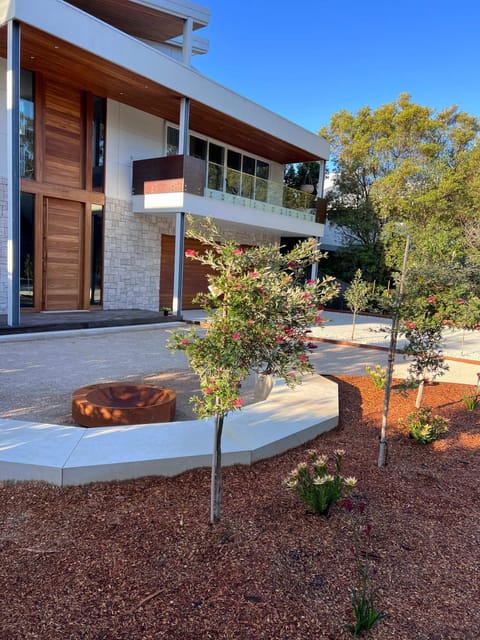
pixel 418 402
pixel 216 481
pixel 353 324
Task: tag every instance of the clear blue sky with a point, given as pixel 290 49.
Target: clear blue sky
pixel 307 59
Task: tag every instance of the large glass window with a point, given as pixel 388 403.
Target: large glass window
pixel 27 248
pixel 27 124
pixel 173 141
pixel 216 159
pixel 98 143
pixel 96 271
pixel 198 147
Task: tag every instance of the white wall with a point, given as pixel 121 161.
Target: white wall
pixel 3 117
pixel 131 135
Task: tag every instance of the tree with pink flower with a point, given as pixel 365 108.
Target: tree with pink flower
pixel 259 314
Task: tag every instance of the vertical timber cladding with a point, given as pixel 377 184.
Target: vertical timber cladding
pixel 63 254
pixel 194 273
pixel 64 219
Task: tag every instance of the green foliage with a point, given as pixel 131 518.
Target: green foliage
pixel 404 162
pixel 316 486
pixel 301 173
pixel 424 427
pixel 378 375
pixel 470 400
pixel 363 594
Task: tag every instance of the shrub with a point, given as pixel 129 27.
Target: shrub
pixel 424 427
pixel 316 486
pixel 470 400
pixel 378 375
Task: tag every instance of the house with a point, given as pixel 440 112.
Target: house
pixel 108 136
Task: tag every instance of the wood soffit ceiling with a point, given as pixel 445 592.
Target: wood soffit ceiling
pixel 137 20
pixel 66 63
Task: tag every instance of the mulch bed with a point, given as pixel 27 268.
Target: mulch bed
pixel 137 560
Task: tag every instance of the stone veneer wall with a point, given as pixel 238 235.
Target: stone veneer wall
pixel 132 254
pixel 3 246
pixel 131 273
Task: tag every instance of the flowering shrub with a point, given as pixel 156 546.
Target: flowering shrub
pixel 424 427
pixel 363 594
pixel 316 486
pixel 378 375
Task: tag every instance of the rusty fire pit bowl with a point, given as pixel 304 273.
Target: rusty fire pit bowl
pixel 116 403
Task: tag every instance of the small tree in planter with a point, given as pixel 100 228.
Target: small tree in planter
pixel 259 316
pixel 356 297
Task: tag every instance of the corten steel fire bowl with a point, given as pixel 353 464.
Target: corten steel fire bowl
pixel 118 403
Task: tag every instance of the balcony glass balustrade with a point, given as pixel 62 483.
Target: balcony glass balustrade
pixel 251 191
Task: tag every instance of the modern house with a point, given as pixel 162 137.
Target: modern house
pixel 108 136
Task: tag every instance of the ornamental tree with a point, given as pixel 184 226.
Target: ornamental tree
pixel 259 309
pixel 356 297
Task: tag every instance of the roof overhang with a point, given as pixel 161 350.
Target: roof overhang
pixel 72 46
pixel 155 20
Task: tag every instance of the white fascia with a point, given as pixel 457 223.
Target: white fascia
pixel 86 32
pixel 180 8
pixel 165 203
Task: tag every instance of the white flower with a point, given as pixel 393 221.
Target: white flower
pixel 339 453
pixel 350 482
pixel 319 480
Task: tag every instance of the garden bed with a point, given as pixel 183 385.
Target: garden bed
pixel 138 560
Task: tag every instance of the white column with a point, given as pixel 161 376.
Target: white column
pixel 321 179
pixel 13 172
pixel 187 42
pixel 178 263
pixel 314 272
pixel 184 126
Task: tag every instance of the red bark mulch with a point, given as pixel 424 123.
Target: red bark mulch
pixel 137 560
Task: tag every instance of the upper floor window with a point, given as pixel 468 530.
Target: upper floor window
pixel 98 143
pixel 27 124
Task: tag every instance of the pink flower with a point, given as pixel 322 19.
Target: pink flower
pixel 279 340
pixel 208 391
pixel 253 274
pixel 292 264
pixel 431 299
pixel 311 281
pixel 190 253
pixel 236 335
pixel 238 251
pixel 303 357
pixel 183 342
pixel 318 319
pixel 238 402
pixel 307 296
pixel 460 301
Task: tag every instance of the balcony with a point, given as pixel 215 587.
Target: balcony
pixel 170 180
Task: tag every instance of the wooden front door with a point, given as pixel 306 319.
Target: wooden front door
pixel 194 273
pixel 63 255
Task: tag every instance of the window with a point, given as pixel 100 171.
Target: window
pixel 27 248
pixel 98 143
pixel 173 141
pixel 198 148
pixel 216 159
pixel 96 263
pixel 27 124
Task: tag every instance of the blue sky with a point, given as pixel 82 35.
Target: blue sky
pixel 306 60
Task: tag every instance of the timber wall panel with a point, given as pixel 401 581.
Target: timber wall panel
pixel 64 135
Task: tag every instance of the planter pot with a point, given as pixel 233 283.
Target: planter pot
pixel 307 188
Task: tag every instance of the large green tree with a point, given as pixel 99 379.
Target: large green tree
pixel 404 162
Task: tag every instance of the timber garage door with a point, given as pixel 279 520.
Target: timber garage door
pixel 194 273
pixel 63 254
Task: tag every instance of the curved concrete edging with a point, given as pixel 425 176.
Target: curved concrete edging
pixel 74 455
